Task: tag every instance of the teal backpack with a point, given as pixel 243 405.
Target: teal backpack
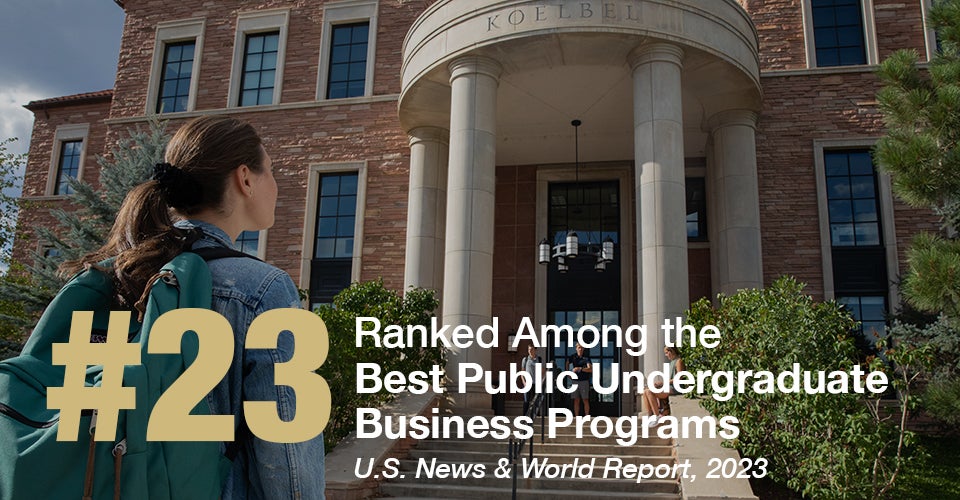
pixel 34 465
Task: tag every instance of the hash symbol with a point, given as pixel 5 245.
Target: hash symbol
pixel 76 356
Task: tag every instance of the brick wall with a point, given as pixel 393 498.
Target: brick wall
pixel 42 145
pixel 797 110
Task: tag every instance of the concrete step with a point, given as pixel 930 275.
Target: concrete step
pixel 434 491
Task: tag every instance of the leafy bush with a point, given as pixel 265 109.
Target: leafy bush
pixel 340 369
pixel 823 445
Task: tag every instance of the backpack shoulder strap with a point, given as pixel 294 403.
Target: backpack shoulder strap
pixel 218 252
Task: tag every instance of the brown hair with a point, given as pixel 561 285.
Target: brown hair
pixel 205 151
pixel 674 350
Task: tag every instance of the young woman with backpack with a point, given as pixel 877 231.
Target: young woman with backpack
pixel 217 181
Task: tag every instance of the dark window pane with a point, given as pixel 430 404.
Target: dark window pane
pixel 271 42
pixel 868 234
pixel 330 185
pixel 174 88
pixel 841 235
pixel 324 249
pixel 348 205
pixel 861 186
pixel 840 211
pixel 838 33
pixel 326 226
pixel 344 247
pixel 861 163
pixel 348 61
pixel 865 210
pixel 827 57
pixel 345 226
pixel 329 206
pixel 259 77
pixel 248 98
pixel 838 187
pixel 348 185
pixel 266 97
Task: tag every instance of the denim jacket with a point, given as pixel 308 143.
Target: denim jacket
pixel 243 289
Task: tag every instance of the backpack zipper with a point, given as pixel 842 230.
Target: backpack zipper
pixel 19 417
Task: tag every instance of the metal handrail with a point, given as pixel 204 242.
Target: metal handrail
pixel 515 446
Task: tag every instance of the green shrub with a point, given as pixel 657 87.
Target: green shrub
pixel 340 370
pixel 823 445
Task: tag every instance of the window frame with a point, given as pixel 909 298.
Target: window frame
pixel 261 244
pixel 254 23
pixel 310 215
pixel 175 32
pixel 886 215
pixel 347 12
pixel 929 34
pixel 63 134
pixel 869 35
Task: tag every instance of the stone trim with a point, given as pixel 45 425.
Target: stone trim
pixel 251 23
pixel 346 12
pixel 170 32
pixel 869 33
pixel 63 134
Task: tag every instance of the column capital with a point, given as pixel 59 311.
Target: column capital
pixel 732 117
pixel 655 52
pixel 428 134
pixel 468 65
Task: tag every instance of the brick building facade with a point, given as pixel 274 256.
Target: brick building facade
pixel 439 134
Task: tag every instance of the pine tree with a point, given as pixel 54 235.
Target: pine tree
pixel 921 152
pixel 10 176
pixel 84 226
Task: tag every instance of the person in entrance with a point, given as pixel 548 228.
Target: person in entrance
pixel 533 365
pixel 582 367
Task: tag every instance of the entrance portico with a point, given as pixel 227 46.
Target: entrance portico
pixel 495 84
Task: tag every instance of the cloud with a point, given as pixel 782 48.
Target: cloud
pixel 15 120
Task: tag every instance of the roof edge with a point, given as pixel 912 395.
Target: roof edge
pixel 85 98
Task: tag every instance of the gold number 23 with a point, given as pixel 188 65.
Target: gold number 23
pixel 171 420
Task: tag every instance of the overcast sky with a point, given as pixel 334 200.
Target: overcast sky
pixel 53 48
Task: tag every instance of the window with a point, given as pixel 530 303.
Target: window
pixel 696 209
pixel 852 199
pixel 348 61
pixel 68 166
pixel 249 243
pixel 581 295
pixel 347 47
pixel 857 239
pixel 175 82
pixel 176 60
pixel 66 158
pixel 259 69
pixel 870 311
pixel 336 221
pixel 838 32
pixel 259 51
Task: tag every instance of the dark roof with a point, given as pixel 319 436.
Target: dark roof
pixel 87 98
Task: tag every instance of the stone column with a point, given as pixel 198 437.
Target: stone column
pixel 660 193
pixel 735 246
pixel 426 208
pixel 468 264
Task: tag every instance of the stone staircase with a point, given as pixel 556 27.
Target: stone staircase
pixel 563 449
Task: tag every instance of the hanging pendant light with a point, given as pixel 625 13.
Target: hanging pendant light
pixel 571 248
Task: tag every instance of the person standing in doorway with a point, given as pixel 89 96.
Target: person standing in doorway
pixel 533 365
pixel 582 367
